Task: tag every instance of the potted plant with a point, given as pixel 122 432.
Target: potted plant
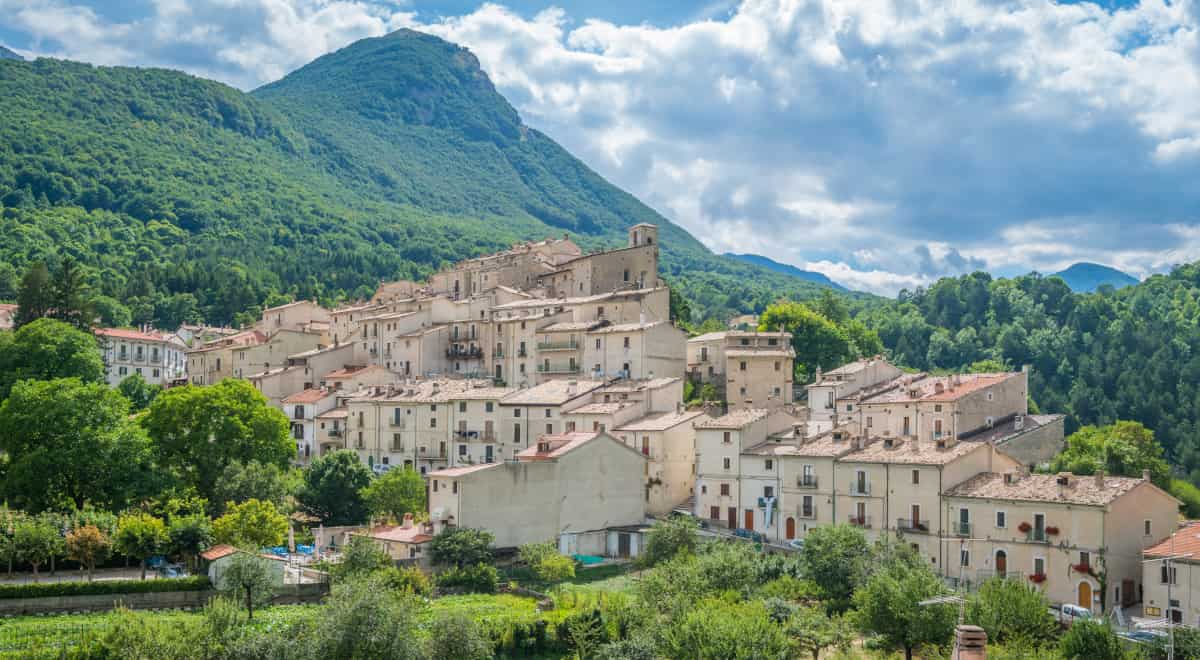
pixel 1083 568
pixel 1037 578
pixel 1024 527
pixel 1052 530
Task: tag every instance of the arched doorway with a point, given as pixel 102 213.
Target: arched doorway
pixel 791 528
pixel 1001 563
pixel 1085 595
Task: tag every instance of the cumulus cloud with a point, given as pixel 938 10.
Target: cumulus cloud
pixel 882 143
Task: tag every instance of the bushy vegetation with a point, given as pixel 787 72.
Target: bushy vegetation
pixel 47 589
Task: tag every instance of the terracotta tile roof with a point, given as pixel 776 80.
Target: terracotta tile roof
pixel 218 551
pixel 625 327
pixel 662 421
pixel 819 446
pixel 734 334
pixel 446 389
pixel 560 444
pixel 463 470
pixel 736 419
pixel 350 372
pixel 640 385
pixel 570 326
pixel 907 452
pixel 399 534
pixel 1186 541
pixel 312 395
pixel 1044 488
pixel 938 388
pixel 294 303
pixel 551 393
pixel 137 335
pixel 601 408
pixel 335 413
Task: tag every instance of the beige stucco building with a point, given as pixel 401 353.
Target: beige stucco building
pixel 751 369
pixel 158 357
pixel 566 484
pixel 1064 533
pixel 212 362
pixel 846 383
pixel 1171 577
pixel 720 444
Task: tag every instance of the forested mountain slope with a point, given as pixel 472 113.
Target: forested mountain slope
pixel 1087 277
pixel 1131 354
pixel 189 199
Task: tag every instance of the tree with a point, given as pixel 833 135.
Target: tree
pixel 1091 640
pixel 60 435
pixel 37 542
pixel 140 536
pixel 34 296
pixel 546 563
pixel 834 558
pixel 332 488
pixel 887 607
pixel 252 524
pixel 360 557
pixel 71 295
pixel 1120 449
pixel 1012 610
pixel 46 349
pixel 820 341
pixel 395 493
pixel 198 431
pixel 248 579
pixel 140 393
pixel 716 628
pixel 364 619
pixel 189 535
pixel 88 545
pixel 461 546
pixel 456 635
pixel 670 537
pixel 812 631
pixel 240 482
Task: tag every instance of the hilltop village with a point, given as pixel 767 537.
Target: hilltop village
pixel 539 391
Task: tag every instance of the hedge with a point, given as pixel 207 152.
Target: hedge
pixel 49 589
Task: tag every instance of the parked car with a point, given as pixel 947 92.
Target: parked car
pixel 172 571
pixel 796 544
pixel 1068 613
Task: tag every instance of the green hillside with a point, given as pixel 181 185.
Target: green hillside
pixel 189 199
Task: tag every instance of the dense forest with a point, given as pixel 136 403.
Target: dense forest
pixel 185 199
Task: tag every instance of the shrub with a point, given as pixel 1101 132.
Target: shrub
pixel 668 538
pixel 47 589
pixel 1091 640
pixel 455 635
pixel 480 578
pixel 1010 610
pixel 406 579
pixel 461 546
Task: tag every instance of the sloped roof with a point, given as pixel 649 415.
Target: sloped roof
pixel 1186 541
pixel 1044 488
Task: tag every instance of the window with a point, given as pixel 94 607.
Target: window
pixel 870 422
pixel 726 462
pixel 516 412
pixel 597 344
pixel 724 490
pixel 742 365
pixel 1001 519
pixel 549 429
pixel 433 407
pixel 462 406
pixel 1146 527
pixel 433 422
pixel 714 512
pixel 489 406
pixel 626 342
pixel 777 365
pixel 516 433
pixel 964 557
pixel 549 413
pixel 1039 565
pixel 770 464
pixel 806 506
pixel 727 437
pixel 990 396
pixel 703 490
pixel 1085 558
pixel 937 408
pixel 916 477
pixel 625 275
pixel 768 491
pixel 1162 574
pixel 156 373
pixel 397 443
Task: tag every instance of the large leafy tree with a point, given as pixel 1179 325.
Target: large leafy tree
pixel 888 608
pixel 462 546
pixel 46 349
pixel 71 293
pixel 835 558
pixel 71 443
pixel 1120 449
pixel 240 482
pixel 1010 610
pixel 189 535
pixel 35 297
pixel 395 493
pixel 670 537
pixel 140 393
pixel 820 341
pixel 37 542
pixel 812 631
pixel 251 524
pixel 332 488
pixel 199 431
pixel 717 628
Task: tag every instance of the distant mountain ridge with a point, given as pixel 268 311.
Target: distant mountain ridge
pixel 6 54
pixel 786 269
pixel 1086 277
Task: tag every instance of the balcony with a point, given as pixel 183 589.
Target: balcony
pixel 464 353
pixel 466 435
pixel 570 345
pixel 860 490
pixel 1037 536
pixel 912 526
pixel 521 352
pixel 397 423
pixel 498 354
pixel 808 513
pixel 860 521
pixel 806 481
pixel 983 575
pixel 961 528
pixel 558 368
pixel 336 433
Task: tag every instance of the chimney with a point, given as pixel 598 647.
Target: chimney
pixel 1145 475
pixel 1099 478
pixel 970 643
pixel 408 521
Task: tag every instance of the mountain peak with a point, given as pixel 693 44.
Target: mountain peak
pixel 1085 276
pixel 6 54
pixel 786 269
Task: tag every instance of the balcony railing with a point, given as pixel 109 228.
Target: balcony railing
pixel 860 490
pixel 397 423
pixel 521 352
pixel 558 345
pixel 806 481
pixel 558 368
pixel 913 526
pixel 336 433
pixel 472 353
pixel 466 435
pixel 498 354
pixel 808 513
pixel 961 528
pixel 1037 536
pixel 983 575
pixel 861 521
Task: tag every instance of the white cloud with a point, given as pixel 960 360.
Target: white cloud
pixel 884 143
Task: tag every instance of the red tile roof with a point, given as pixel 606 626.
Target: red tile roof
pixel 307 396
pixel 399 534
pixel 463 470
pixel 122 333
pixel 217 551
pixel 1184 542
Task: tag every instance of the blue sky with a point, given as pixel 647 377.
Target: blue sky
pixel 884 143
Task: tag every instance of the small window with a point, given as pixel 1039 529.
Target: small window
pixel 703 490
pixel 742 365
pixel 1001 519
pixel 454 487
pixel 1085 558
pixel 433 422
pixel 549 413
pixel 724 490
pixel 462 450
pixel 1039 565
pixel 964 557
pixel 626 342
pixel 768 491
pixel 770 464
pixel 727 438
pixel 778 365
pixel 916 476
pixel 1146 527
pixel 726 462
pixel 516 412
pixel 489 406
pixel 433 407
pixel 435 485
pixel 990 396
pixel 462 406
